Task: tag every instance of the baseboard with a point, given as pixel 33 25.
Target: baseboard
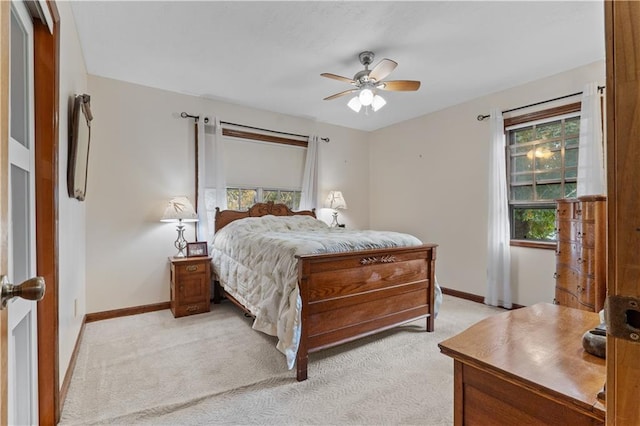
pixel 72 365
pixel 135 310
pixel 470 296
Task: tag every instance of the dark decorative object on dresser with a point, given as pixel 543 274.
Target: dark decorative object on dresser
pixel 581 275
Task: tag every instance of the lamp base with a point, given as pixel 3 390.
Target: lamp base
pixel 334 223
pixel 180 243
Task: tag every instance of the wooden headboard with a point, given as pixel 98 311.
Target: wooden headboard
pixel 224 217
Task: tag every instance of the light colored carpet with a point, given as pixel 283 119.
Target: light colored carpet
pixel 214 369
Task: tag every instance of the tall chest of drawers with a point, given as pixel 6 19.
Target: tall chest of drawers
pixel 581 275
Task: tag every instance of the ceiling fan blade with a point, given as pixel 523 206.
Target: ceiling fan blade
pixel 337 77
pixel 382 69
pixel 400 85
pixel 337 95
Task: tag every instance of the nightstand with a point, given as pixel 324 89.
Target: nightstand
pixel 190 285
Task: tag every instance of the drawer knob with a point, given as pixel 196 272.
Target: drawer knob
pixel 555 275
pixel 191 268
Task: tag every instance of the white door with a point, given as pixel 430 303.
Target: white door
pixel 22 324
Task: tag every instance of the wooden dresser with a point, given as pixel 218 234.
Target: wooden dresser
pixel 581 275
pixel 527 366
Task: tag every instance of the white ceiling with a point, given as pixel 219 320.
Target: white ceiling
pixel 269 55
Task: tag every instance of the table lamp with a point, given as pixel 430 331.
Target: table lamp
pixel 335 201
pixel 180 210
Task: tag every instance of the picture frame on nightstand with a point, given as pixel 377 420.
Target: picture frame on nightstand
pixel 197 249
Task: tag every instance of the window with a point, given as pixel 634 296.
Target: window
pixel 243 198
pixel 542 166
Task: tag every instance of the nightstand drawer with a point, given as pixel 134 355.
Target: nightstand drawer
pixel 192 308
pixel 191 269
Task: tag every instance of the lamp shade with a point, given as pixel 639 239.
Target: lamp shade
pixel 378 102
pixel 355 104
pixel 335 200
pixel 179 209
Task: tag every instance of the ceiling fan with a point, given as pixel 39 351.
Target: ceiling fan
pixel 368 81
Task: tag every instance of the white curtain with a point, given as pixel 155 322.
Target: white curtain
pixel 203 226
pixel 498 247
pixel 309 196
pixel 591 171
pixel 215 182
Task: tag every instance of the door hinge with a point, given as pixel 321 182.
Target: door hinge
pixel 622 315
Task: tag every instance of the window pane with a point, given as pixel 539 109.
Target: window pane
pixel 520 149
pixel 19 82
pixel 524 178
pixel 522 193
pixel 233 197
pixel 522 164
pixel 533 223
pixel 571 158
pixel 549 130
pixel 570 190
pixel 572 126
pixel 571 143
pixel 248 198
pixel 555 175
pixel 522 135
pixel 269 195
pixel 286 197
pixel 570 173
pixel 549 192
pixel 548 160
pixel 296 199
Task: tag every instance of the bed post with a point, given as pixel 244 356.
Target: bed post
pixel 431 262
pixel 302 357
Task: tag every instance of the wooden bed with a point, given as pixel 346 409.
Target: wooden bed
pixel 349 295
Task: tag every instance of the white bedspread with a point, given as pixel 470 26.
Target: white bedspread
pixel 254 260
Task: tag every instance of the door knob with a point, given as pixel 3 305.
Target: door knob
pixel 31 289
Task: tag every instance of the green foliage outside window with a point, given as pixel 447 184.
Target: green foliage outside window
pixel 534 224
pixel 243 198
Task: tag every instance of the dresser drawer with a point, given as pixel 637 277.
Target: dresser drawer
pixel 564 210
pixel 586 234
pixel 567 230
pixel 586 261
pixel 565 298
pixel 567 253
pixel 586 291
pixel 567 279
pixel 585 210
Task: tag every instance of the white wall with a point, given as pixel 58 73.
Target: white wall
pixel 71 213
pixel 142 155
pixel 429 177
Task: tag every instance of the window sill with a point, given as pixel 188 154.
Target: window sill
pixel 534 244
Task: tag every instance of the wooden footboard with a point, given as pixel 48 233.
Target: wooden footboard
pixel 350 295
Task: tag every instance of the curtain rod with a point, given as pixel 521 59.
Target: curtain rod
pixel 482 117
pixel 195 117
pixel 272 131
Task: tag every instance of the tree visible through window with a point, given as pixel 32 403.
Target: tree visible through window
pixel 542 161
pixel 243 198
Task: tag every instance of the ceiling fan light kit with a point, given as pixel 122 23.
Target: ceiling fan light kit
pixel 368 82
